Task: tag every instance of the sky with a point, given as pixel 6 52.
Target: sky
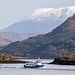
pixel 12 11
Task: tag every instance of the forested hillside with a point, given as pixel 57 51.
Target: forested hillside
pixel 59 42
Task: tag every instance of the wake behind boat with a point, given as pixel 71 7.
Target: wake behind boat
pixel 35 64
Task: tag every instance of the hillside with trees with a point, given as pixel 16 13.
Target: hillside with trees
pixel 59 42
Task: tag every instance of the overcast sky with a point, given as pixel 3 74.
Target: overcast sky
pixel 12 11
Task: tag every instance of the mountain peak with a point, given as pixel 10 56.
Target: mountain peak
pixel 69 24
pixel 53 13
pixel 42 20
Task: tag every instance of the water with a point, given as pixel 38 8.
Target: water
pixel 18 69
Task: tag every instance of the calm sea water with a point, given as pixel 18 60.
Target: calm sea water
pixel 18 69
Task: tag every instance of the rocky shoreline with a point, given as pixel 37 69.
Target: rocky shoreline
pixel 64 60
pixel 6 58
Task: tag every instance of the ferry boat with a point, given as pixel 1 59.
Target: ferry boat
pixel 35 64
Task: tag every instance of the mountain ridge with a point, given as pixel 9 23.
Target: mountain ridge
pixel 4 42
pixel 42 20
pixel 69 24
pixel 53 12
pixel 16 36
pixel 50 45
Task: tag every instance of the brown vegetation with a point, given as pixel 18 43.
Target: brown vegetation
pixel 5 58
pixel 59 42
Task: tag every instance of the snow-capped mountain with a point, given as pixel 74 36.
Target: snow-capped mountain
pixel 47 14
pixel 42 20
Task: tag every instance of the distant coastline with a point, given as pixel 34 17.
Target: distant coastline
pixel 12 62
